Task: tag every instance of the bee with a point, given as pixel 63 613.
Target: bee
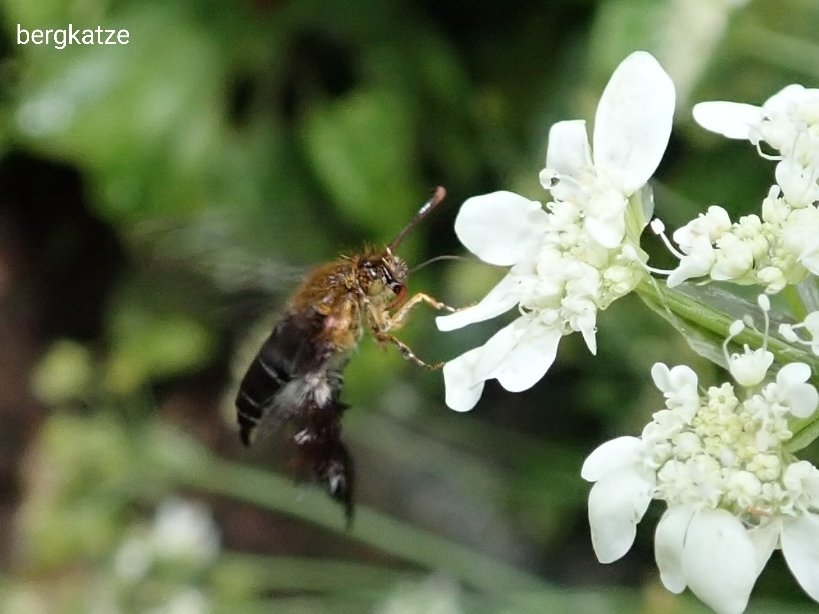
pixel 296 378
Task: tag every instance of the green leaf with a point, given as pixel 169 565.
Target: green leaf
pixel 361 150
pixel 148 345
pixel 143 118
pixel 65 373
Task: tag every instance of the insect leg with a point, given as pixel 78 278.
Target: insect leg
pixel 405 350
pixel 381 322
pixel 397 319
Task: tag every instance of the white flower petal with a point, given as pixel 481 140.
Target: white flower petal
pixel 568 155
pixel 633 121
pixel 501 227
pixel 750 367
pixel 612 455
pixel 730 119
pixel 803 477
pixel 802 400
pixel 464 376
pixel 765 539
pixel 793 373
pixel 719 561
pixel 616 504
pixel 801 397
pixel 797 181
pixel 530 358
pixel 497 348
pixel 697 263
pixel 608 230
pixel 679 379
pixel 498 300
pixel 669 540
pixel 661 375
pixel 800 546
pixel 462 382
pixel 784 99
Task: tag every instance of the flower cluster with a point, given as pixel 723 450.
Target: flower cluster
pixel 782 246
pixel 182 532
pixel 733 493
pixel 574 258
pixel 718 458
pixel 161 564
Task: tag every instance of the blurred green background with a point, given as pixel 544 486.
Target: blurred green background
pixel 158 202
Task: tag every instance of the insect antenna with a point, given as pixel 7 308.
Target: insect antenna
pixel 438 194
pixel 418 267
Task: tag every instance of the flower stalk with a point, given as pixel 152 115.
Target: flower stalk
pixel 697 320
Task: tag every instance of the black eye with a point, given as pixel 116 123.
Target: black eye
pixel 394 286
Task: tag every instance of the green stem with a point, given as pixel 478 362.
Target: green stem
pixel 681 310
pixel 317 575
pixel 691 316
pixel 184 461
pixel 794 301
pixel 805 432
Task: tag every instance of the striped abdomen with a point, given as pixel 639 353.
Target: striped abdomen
pixel 288 354
pixel 296 379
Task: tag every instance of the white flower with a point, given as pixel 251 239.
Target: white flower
pixel 750 367
pixel 696 241
pixel 811 324
pixel 773 251
pixel 577 256
pixel 782 247
pixel 679 386
pixel 733 493
pixel 133 557
pixel 788 122
pixel 620 496
pixel 800 237
pixel 711 552
pixel 781 121
pixel 184 530
pixel 794 392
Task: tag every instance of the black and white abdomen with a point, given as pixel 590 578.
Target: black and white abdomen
pixel 296 380
pixel 287 359
pixel 257 393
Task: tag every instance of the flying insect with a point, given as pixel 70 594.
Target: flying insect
pixel 296 378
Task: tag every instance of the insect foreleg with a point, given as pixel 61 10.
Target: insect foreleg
pixel 381 322
pixel 396 320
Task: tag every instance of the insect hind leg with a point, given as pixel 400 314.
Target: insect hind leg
pixel 406 351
